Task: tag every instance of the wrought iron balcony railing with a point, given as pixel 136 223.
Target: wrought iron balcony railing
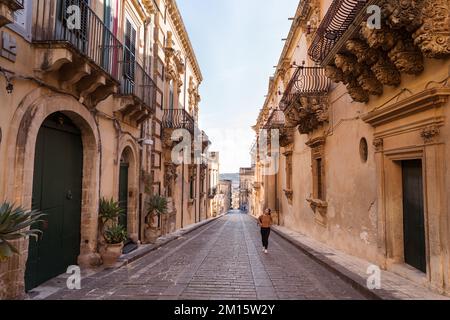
pixel 178 119
pixel 136 81
pixel 340 16
pixel 14 5
pixel 92 38
pixel 276 120
pixel 306 81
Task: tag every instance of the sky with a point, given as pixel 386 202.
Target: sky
pixel 237 43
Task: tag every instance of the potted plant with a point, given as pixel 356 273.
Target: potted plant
pixel 114 235
pixel 14 222
pixel 156 206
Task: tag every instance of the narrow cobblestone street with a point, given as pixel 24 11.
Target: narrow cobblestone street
pixel 222 260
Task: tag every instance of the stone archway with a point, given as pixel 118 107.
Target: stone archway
pixel 25 125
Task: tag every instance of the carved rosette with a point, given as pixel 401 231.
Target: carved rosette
pixel 430 133
pixel 433 36
pixel 378 144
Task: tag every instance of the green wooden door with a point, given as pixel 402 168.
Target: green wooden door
pixel 413 215
pixel 123 193
pixel 56 192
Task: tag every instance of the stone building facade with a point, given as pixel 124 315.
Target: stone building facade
pixel 360 113
pixel 246 176
pixel 83 117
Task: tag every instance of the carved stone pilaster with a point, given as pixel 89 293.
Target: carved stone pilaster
pixel 406 57
pixel 170 174
pixel 192 172
pixel 433 36
pixel 430 133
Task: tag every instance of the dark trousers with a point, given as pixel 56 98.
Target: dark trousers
pixel 265 233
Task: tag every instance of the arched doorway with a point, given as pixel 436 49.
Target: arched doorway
pixel 57 192
pixel 127 198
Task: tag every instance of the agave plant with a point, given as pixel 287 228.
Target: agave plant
pixel 157 205
pixel 115 234
pixel 109 210
pixel 13 224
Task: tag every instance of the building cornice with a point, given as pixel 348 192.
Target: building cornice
pixel 299 21
pixel 175 14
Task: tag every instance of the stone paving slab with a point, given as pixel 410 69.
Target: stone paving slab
pixel 221 261
pixel 354 270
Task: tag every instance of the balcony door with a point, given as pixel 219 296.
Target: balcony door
pixel 129 70
pixel 78 37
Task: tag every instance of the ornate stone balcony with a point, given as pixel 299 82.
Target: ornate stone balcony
pixel 367 59
pixel 81 61
pixel 305 101
pixel 7 9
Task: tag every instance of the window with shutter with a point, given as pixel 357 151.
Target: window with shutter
pixel 129 56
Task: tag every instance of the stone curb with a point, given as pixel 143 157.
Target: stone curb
pixel 356 281
pixel 132 257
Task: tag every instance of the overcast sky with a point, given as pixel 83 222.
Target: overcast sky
pixel 237 43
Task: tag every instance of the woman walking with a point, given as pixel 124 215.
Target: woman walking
pixel 265 222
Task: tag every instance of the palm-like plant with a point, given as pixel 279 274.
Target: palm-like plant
pixel 109 210
pixel 157 205
pixel 13 224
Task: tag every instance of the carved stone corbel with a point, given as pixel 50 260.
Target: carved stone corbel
pixel 406 57
pixel 370 83
pixel 362 51
pixel 356 92
pixel 383 38
pixel 386 72
pixel 319 208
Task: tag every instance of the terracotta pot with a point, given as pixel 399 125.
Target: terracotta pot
pixel 111 254
pixel 151 235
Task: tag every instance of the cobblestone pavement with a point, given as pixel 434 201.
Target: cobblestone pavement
pixel 220 261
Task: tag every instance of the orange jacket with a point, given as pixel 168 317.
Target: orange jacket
pixel 265 221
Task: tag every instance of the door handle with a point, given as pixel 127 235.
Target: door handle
pixel 69 195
